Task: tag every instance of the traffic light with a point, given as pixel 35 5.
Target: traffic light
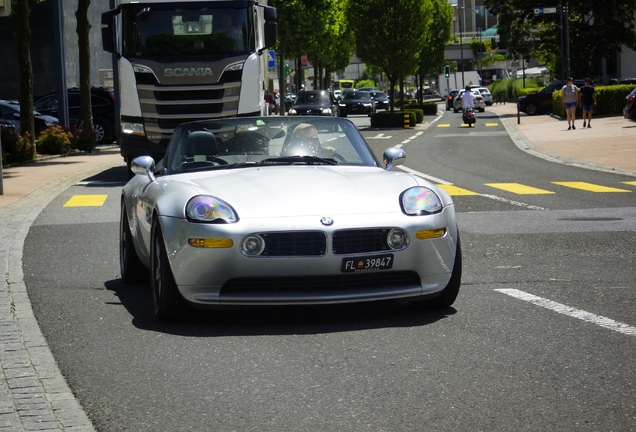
pixel 447 71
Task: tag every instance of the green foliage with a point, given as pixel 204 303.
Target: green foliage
pixel 15 148
pixel 366 83
pixel 610 100
pixel 512 88
pixel 428 108
pixel 54 140
pixel 388 119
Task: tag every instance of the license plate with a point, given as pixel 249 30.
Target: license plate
pixel 365 264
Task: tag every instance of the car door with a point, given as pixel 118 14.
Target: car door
pixel 9 114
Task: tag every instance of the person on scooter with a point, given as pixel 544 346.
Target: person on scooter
pixel 468 101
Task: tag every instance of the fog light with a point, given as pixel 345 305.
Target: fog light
pixel 397 239
pixel 211 242
pixel 252 245
pixel 429 234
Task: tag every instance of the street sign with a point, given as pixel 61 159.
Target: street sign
pixel 271 59
pixel 545 10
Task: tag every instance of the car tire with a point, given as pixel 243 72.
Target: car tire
pixel 101 131
pixel 449 294
pixel 130 266
pixel 532 108
pixel 455 110
pixel 482 110
pixel 168 303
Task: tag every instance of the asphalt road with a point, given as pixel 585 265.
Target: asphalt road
pixel 542 336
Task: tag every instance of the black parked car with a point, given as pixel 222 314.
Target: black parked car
pixel 629 112
pixel 356 102
pixel 380 98
pixel 10 112
pixel 102 104
pixel 541 102
pixel 450 99
pixel 314 102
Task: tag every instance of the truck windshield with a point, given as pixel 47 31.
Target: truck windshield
pixel 163 31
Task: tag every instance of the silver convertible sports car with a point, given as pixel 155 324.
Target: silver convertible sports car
pixel 284 211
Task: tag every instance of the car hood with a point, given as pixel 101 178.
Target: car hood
pixel 300 190
pixel 349 101
pixel 311 106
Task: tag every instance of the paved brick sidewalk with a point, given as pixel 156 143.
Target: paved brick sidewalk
pixel 609 145
pixel 34 395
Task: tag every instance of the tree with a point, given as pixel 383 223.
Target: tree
pixel 22 32
pixel 390 35
pixel 436 37
pixel 596 29
pixel 87 132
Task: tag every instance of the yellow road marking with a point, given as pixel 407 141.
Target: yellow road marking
pixel 456 191
pixel 443 125
pixel 492 124
pixel 86 201
pixel 519 189
pixel 589 187
pixel 633 183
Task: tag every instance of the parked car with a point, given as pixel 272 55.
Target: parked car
pixel 314 102
pixel 479 103
pixel 629 112
pixel 259 211
pixel 10 111
pixel 356 102
pixel 541 102
pixel 102 106
pixel 486 94
pixel 381 99
pixel 450 99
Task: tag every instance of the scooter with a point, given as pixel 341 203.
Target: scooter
pixel 469 116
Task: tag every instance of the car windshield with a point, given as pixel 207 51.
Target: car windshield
pixel 357 95
pixel 265 141
pixel 378 94
pixel 313 99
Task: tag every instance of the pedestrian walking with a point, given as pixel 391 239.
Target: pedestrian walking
pixel 570 99
pixel 588 102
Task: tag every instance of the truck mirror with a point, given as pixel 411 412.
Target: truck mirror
pixel 109 41
pixel 270 13
pixel 271 34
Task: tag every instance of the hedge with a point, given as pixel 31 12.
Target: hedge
pixel 610 100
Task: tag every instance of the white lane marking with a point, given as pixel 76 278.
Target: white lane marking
pixel 570 311
pixel 517 203
pixel 380 136
pixel 427 177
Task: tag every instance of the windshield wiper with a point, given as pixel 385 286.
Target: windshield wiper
pixel 301 159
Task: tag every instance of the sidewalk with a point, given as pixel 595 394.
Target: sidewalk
pixel 609 145
pixel 33 393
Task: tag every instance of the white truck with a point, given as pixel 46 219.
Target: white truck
pixel 180 61
pixel 455 81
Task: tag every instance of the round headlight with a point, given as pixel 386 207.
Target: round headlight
pixel 397 239
pixel 252 245
pixel 420 200
pixel 292 111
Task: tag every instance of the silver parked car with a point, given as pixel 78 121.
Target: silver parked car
pixel 486 94
pixel 479 103
pixel 284 211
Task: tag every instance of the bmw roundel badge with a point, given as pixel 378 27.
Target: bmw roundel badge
pixel 327 221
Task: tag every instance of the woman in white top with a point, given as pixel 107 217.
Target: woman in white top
pixel 570 98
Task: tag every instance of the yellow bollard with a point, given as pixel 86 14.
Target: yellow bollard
pixel 407 121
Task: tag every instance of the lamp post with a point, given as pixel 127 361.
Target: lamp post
pixel 461 42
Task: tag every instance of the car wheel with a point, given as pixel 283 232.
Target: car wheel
pixel 532 108
pixel 101 131
pixel 455 110
pixel 168 303
pixel 130 266
pixel 449 293
pixel 482 110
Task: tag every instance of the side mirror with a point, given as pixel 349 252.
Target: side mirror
pixel 393 156
pixel 109 36
pixel 143 165
pixel 271 34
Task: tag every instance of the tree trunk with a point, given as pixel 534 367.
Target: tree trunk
pixel 87 132
pixel 22 34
